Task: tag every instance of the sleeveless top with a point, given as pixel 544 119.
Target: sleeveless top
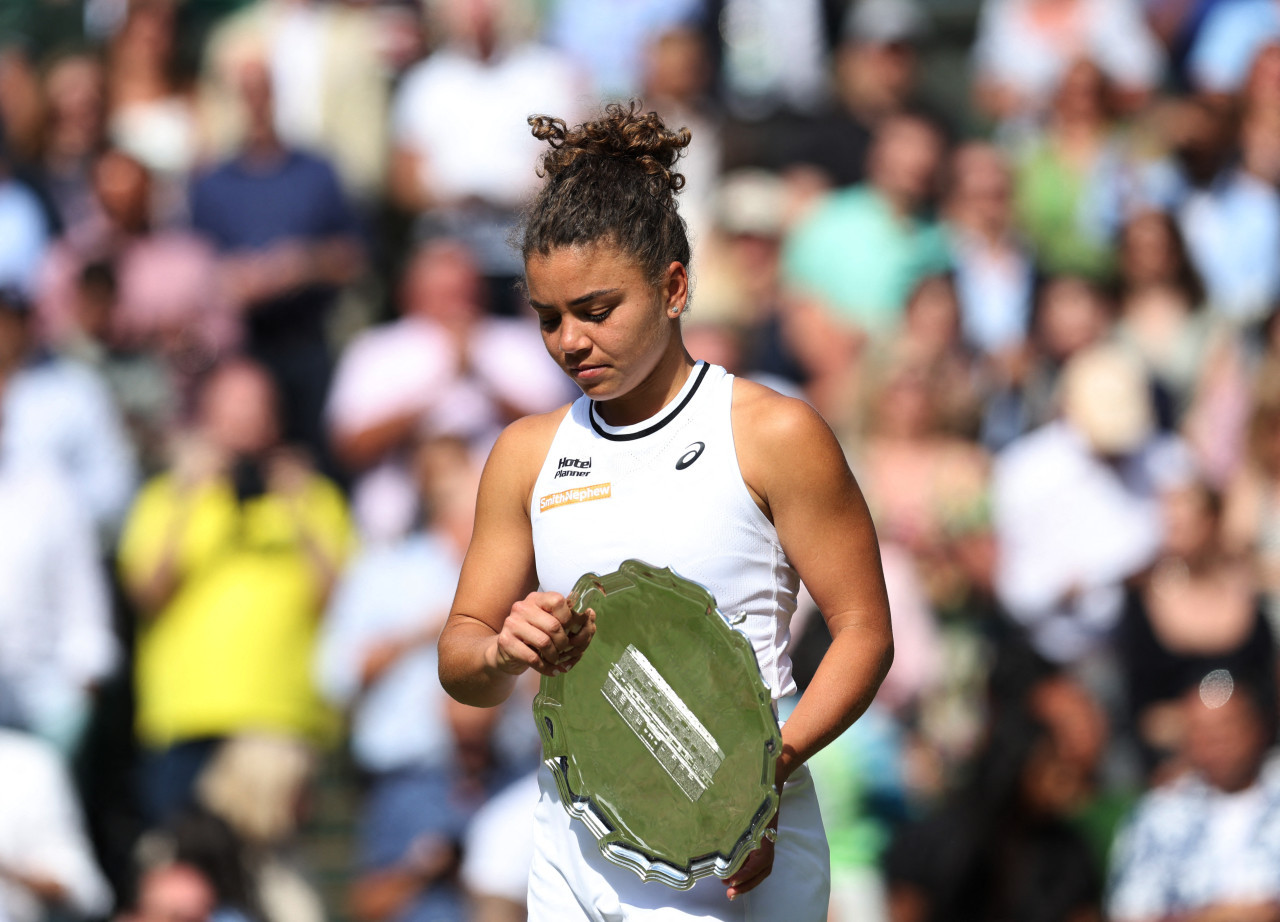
pixel 667 491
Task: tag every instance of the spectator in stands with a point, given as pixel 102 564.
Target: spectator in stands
pixel 229 557
pixel 470 184
pixel 150 112
pixel 1231 219
pixel 377 657
pixel 921 479
pixel 23 227
pixel 149 386
pixel 258 784
pixel 376 654
pixel 1069 189
pixel 1025 47
pixel 610 43
pixel 1163 311
pixel 1195 610
pixel 1001 846
pixel 56 642
pixel 498 852
pixel 196 840
pixel 862 249
pixel 1070 315
pixel 739 282
pixel 175 892
pixel 1206 846
pixel 678 78
pixel 60 416
pixel 852 261
pixel 331 86
pixel 168 300
pixel 776 58
pixel 445 368
pixel 47 868
pixel 1228 43
pixel 877 72
pixel 74 101
pixel 1075 508
pixel 995 274
pixel 414 826
pixel 932 336
pixel 289 241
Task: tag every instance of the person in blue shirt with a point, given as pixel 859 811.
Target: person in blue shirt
pixel 289 240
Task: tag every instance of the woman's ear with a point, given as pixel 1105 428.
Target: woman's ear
pixel 676 294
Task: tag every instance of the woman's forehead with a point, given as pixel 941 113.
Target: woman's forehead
pixel 568 272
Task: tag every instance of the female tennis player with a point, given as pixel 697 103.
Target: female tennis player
pixel 679 464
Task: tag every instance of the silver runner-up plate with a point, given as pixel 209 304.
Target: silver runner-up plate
pixel 663 738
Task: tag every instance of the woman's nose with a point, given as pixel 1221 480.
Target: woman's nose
pixel 573 336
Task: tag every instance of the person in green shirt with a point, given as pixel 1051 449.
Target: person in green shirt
pixel 863 248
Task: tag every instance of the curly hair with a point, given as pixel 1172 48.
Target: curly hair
pixel 611 179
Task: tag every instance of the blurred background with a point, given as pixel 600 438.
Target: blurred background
pixel 259 327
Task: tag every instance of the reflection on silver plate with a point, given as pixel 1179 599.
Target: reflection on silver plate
pixel 663 739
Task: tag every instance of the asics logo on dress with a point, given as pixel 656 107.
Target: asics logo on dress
pixel 691 454
pixel 573 467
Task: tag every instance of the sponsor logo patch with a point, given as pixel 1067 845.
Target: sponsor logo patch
pixel 574 467
pixel 575 495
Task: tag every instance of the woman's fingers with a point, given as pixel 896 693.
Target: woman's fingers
pixel 753 871
pixel 546 616
pixel 553 603
pixel 582 630
pixel 569 656
pixel 543 633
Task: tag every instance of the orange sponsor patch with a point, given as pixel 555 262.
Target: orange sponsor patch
pixel 575 495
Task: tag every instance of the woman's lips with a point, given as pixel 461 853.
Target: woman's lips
pixel 587 372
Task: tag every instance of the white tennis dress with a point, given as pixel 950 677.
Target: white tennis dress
pixel 669 491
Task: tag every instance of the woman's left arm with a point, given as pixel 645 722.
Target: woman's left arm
pixel 797 471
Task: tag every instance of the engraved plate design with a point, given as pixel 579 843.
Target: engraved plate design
pixel 666 726
pixel 711 731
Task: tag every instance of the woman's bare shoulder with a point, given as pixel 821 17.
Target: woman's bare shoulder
pixel 782 443
pixel 516 459
pixel 760 412
pixel 522 446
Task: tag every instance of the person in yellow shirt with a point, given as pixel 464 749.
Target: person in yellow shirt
pixel 228 557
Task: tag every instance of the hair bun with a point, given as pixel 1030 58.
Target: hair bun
pixel 622 133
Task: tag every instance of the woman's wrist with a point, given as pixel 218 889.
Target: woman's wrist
pixel 784 767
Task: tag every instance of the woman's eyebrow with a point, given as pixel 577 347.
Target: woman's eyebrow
pixel 592 295
pixel 576 302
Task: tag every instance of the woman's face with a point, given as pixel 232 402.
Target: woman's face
pixel 1148 252
pixel 933 316
pixel 1189 523
pixel 603 321
pixel 907 406
pixel 1081 95
pixel 1072 317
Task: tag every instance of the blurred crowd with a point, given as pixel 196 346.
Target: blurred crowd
pixel 260 323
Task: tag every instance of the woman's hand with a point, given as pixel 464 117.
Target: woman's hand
pixel 757 866
pixel 543 633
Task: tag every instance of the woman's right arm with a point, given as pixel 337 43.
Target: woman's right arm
pixel 500 626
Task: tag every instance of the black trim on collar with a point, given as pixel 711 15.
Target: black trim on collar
pixel 629 436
